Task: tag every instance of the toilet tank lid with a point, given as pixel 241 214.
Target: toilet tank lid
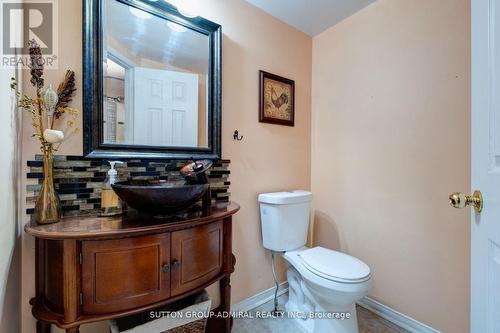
pixel 283 198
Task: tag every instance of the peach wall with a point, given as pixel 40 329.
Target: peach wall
pixel 391 140
pixel 270 157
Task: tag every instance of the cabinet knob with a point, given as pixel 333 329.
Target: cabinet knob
pixel 165 268
pixel 176 264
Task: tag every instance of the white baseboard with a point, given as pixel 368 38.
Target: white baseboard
pixel 261 298
pixel 395 317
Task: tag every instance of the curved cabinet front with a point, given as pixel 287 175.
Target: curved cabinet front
pixel 197 256
pixel 122 274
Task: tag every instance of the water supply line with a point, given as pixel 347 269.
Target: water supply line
pixel 276 283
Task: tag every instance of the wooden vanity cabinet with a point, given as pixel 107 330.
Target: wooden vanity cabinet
pixel 197 256
pixel 92 269
pixel 120 274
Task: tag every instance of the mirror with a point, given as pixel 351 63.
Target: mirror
pixel 158 87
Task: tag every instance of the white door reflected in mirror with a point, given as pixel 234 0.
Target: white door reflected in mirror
pixel 165 111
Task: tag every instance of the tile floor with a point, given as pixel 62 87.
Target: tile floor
pixel 368 322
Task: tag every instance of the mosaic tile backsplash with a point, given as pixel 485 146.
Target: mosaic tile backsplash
pixel 79 181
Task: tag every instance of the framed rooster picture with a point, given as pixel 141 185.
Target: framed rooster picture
pixel 277 99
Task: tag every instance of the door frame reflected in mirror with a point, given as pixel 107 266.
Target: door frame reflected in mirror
pixel 93 86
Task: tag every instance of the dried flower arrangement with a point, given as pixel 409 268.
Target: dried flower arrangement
pixel 49 105
pixel 46 109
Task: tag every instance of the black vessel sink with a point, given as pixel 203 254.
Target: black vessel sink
pixel 159 196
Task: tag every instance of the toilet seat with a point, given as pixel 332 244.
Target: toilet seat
pixel 334 266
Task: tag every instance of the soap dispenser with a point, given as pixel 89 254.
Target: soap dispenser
pixel 110 202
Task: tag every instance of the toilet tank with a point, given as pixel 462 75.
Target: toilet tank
pixel 284 217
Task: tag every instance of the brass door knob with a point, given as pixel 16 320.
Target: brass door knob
pixel 460 200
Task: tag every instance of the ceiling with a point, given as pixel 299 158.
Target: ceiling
pixel 148 40
pixel 311 16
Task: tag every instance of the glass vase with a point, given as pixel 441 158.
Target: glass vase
pixel 48 205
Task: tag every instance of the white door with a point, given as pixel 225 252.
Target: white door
pixel 165 109
pixel 485 256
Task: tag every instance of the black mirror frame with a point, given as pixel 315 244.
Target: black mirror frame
pixel 93 146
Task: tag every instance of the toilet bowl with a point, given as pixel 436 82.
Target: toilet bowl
pixel 324 285
pixel 329 294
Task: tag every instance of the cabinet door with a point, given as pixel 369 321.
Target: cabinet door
pixel 197 256
pixel 126 273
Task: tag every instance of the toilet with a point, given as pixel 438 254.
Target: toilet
pixel 324 284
